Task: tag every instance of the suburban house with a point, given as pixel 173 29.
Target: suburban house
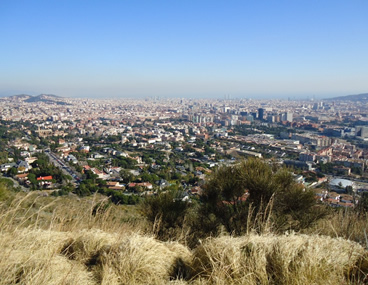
pixel 45 181
pixel 145 185
pixel 6 166
pixel 114 185
pixel 23 166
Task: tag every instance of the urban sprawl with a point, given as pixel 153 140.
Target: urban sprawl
pixel 130 148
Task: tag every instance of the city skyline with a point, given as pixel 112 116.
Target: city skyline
pixel 192 49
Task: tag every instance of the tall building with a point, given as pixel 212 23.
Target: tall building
pixel 260 114
pixel 249 118
pixel 287 116
pixel 361 132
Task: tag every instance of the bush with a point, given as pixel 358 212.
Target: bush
pixel 254 196
pixel 250 196
pixel 166 213
pixel 119 198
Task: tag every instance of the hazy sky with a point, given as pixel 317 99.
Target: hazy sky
pixel 134 48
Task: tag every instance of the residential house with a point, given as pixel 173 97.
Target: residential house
pixel 114 185
pixel 22 166
pixel 45 181
pixel 6 166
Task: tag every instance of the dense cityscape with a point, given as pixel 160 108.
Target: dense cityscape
pixel 128 149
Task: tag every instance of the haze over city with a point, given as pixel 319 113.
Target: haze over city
pixel 209 49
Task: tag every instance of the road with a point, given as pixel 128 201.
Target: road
pixel 65 168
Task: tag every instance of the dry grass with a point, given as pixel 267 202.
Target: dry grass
pixel 344 223
pixel 87 257
pixel 44 240
pixel 68 213
pixel 31 257
pixel 285 259
pixel 96 257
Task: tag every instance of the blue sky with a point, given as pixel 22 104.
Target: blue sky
pixel 251 49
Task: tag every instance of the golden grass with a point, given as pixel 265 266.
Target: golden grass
pixel 30 257
pixel 344 223
pixel 96 257
pixel 44 240
pixel 87 257
pixel 283 259
pixel 68 213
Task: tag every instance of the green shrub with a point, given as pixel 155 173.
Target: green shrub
pixel 166 212
pixel 255 196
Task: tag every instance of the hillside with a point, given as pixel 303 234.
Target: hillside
pixel 355 98
pixel 45 98
pixel 66 240
pixel 20 97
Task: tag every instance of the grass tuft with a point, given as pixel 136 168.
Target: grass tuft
pixel 283 259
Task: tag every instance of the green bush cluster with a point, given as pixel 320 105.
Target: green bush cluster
pixel 249 196
pixel 117 197
pixel 166 212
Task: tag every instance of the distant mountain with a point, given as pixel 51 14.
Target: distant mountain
pixel 20 97
pixel 45 98
pixel 356 98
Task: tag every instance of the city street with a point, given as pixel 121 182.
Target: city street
pixel 65 168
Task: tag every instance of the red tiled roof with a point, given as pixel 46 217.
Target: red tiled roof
pixel 22 175
pixel 44 178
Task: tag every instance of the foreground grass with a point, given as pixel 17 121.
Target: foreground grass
pixel 344 223
pixel 97 257
pixel 70 241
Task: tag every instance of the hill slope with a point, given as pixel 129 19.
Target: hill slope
pixel 356 98
pixel 45 98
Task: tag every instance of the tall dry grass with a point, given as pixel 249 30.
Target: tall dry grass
pixel 344 223
pixel 283 259
pixel 65 241
pixel 68 213
pixel 62 242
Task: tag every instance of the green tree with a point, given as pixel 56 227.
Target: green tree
pixel 13 171
pixel 221 203
pixel 32 178
pixel 237 195
pixel 126 175
pixel 294 206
